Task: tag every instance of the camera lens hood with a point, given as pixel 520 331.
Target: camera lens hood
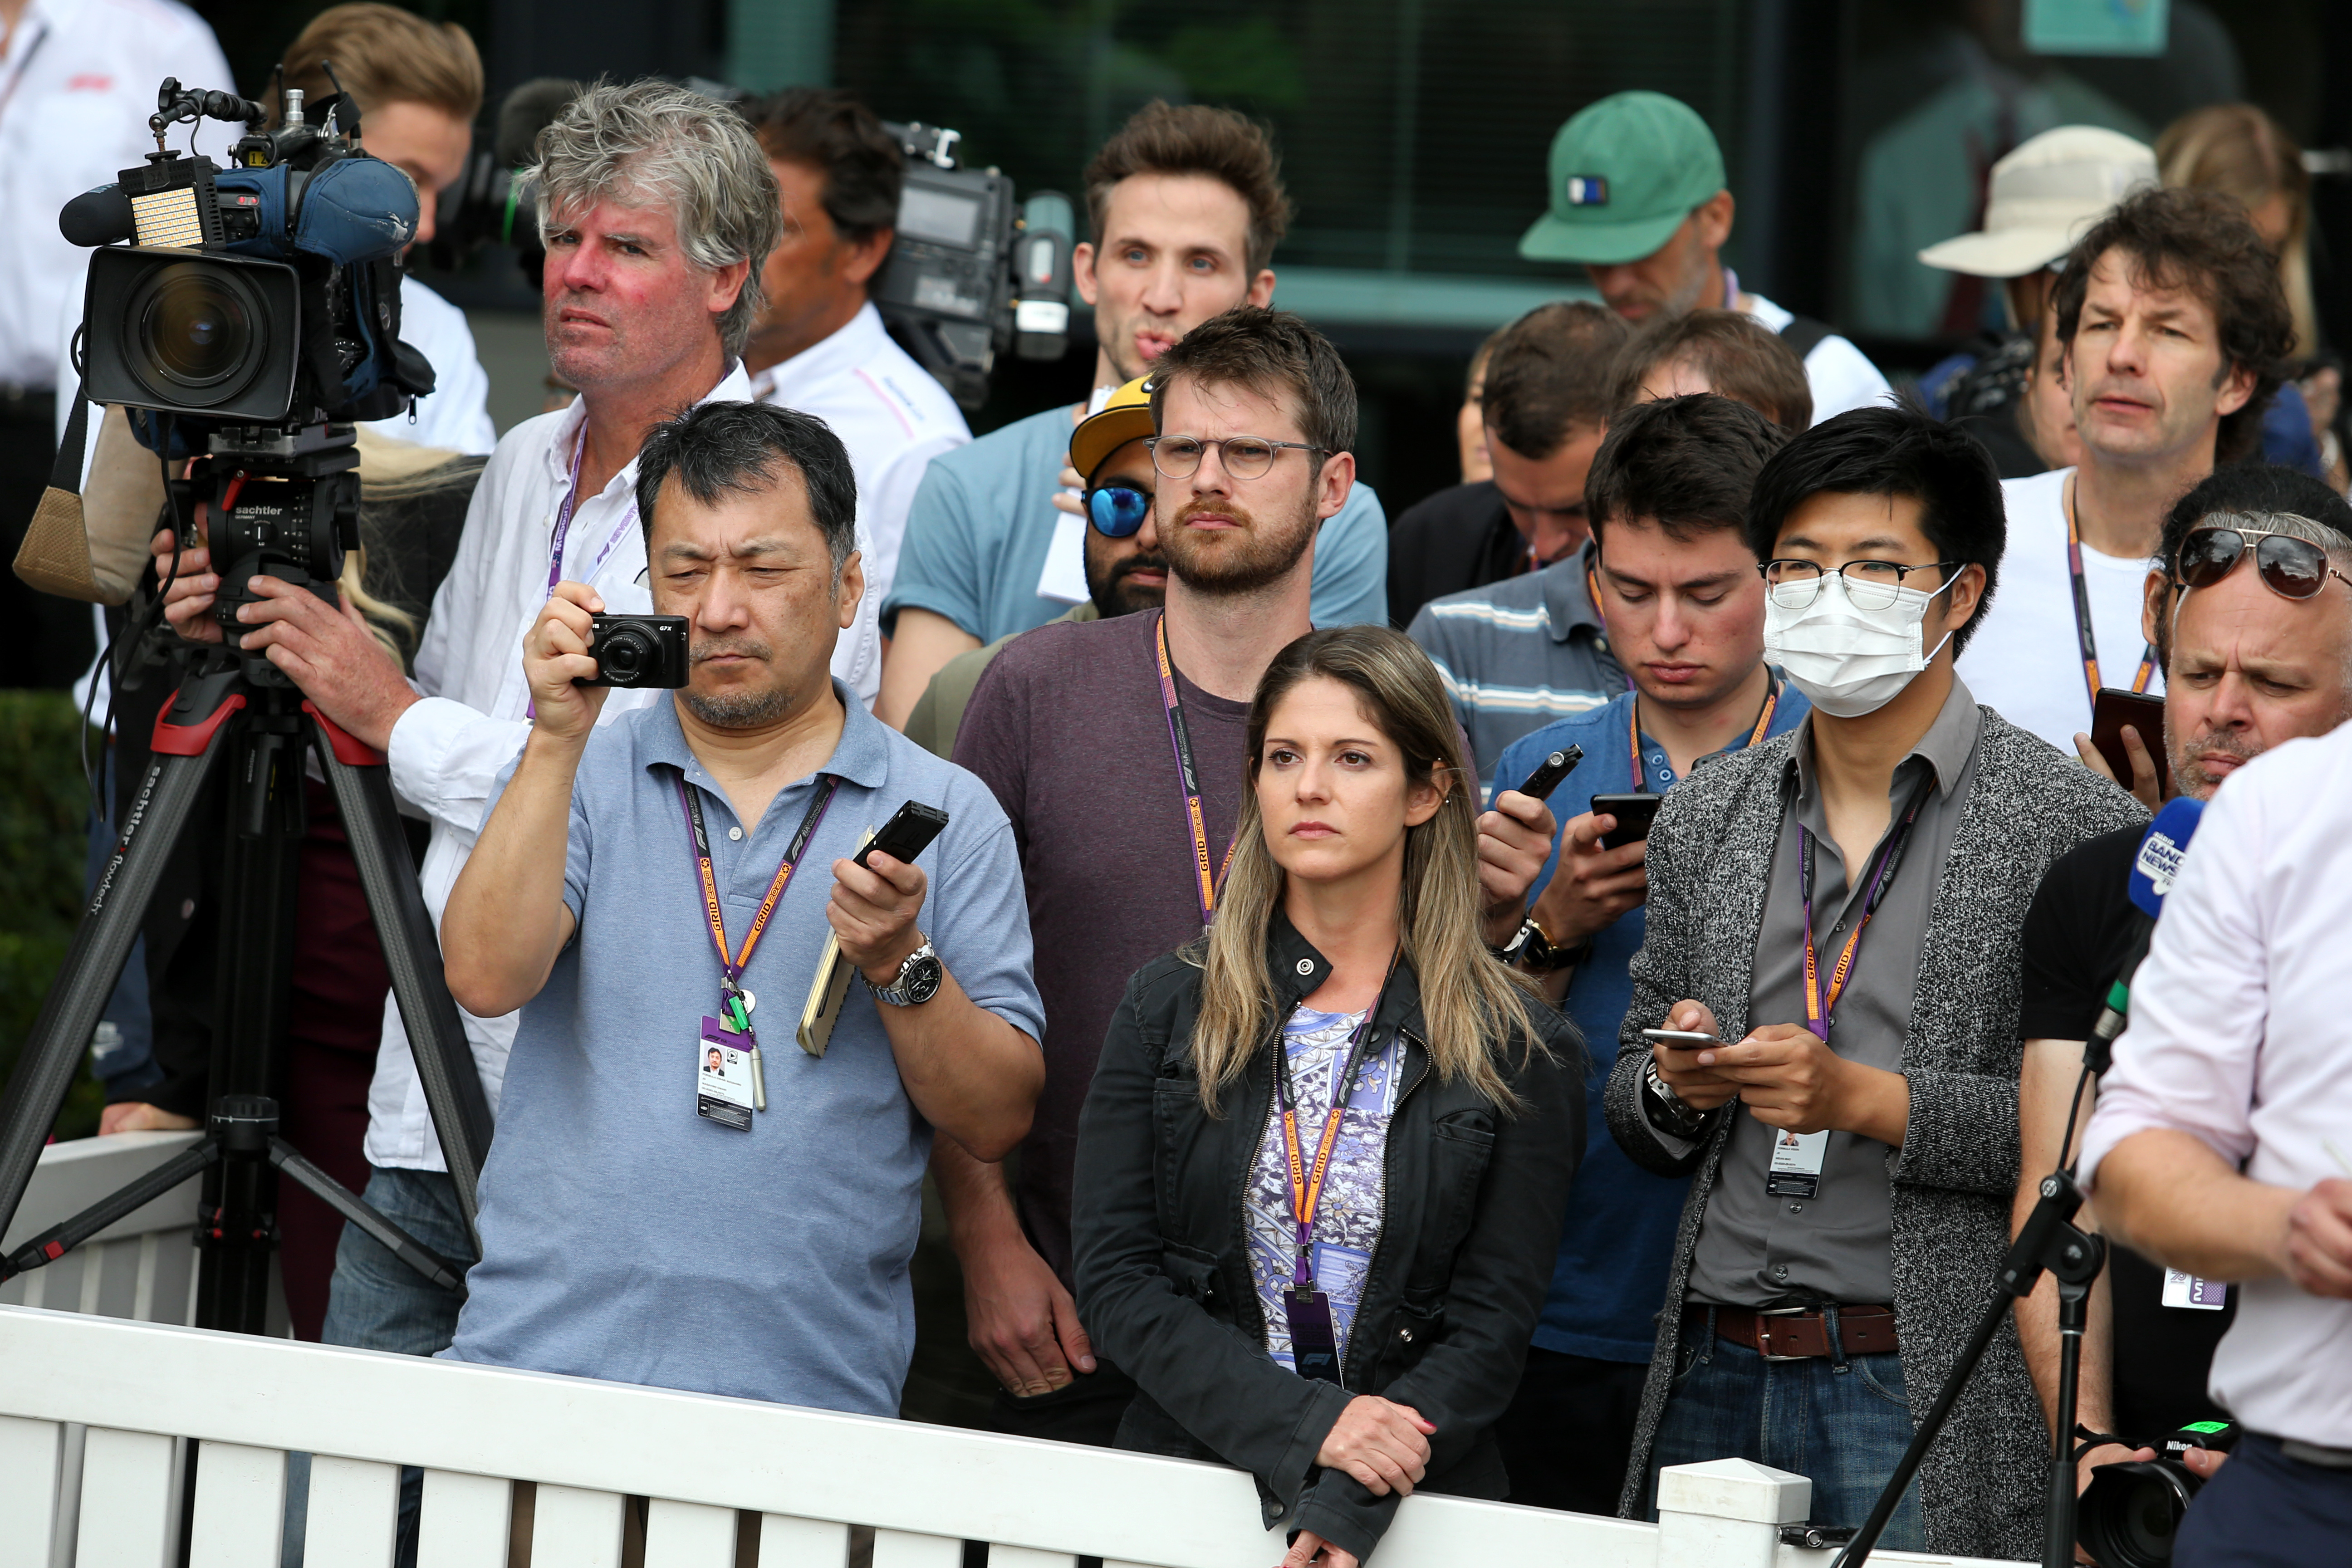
pixel 2131 1512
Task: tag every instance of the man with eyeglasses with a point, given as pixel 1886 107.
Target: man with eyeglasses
pixel 1124 570
pixel 1116 747
pixel 1186 205
pixel 1837 912
pixel 2251 618
pixel 2174 333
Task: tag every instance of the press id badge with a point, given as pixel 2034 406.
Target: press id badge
pixel 724 1091
pixel 1797 1159
pixel 2188 1290
pixel 1314 1337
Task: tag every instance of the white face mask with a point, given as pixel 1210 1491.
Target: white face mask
pixel 1849 661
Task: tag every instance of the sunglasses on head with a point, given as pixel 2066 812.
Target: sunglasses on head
pixel 2290 567
pixel 1118 511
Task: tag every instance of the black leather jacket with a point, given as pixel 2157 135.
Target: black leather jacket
pixel 1470 1223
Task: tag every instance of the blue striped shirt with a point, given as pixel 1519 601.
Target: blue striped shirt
pixel 1521 654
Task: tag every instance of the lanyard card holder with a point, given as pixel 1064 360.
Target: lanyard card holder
pixel 723 1089
pixel 1314 1338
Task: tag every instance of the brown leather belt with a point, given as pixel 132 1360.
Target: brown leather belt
pixel 1792 1336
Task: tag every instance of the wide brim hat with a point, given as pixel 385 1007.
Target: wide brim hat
pixel 2044 196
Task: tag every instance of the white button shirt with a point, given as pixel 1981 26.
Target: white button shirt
pixel 77 81
pixel 2240 1037
pixel 447 749
pixel 1839 374
pixel 892 414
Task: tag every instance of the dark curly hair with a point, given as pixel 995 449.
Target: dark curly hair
pixel 2203 241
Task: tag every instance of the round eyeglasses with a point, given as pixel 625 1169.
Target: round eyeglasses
pixel 1244 456
pixel 1869 584
pixel 2291 568
pixel 1118 511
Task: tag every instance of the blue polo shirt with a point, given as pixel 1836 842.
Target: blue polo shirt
pixel 1610 1279
pixel 625 1237
pixel 983 520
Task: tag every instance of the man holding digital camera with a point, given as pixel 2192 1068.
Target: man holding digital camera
pixel 647 302
pixel 694 861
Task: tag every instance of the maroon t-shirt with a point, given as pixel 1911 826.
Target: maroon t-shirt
pixel 1069 728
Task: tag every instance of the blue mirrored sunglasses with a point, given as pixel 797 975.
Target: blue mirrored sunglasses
pixel 1118 511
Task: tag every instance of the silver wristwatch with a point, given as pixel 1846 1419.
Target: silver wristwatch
pixel 1679 1117
pixel 917 983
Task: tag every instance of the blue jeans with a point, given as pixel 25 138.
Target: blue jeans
pixel 1843 1421
pixel 2267 1511
pixel 379 1303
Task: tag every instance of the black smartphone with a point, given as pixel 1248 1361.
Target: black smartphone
pixel 908 834
pixel 2112 709
pixel 1633 814
pixel 1551 772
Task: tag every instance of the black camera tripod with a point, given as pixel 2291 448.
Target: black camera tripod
pixel 2050 1243
pixel 235 708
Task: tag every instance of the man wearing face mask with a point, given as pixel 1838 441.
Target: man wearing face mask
pixel 1837 912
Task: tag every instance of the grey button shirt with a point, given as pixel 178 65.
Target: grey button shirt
pixel 1756 1249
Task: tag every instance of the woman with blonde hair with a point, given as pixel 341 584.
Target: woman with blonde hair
pixel 1322 1169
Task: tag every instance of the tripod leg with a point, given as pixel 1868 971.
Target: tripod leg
pixel 436 1036
pixel 344 1201
pixel 59 1239
pixel 1858 1551
pixel 52 1053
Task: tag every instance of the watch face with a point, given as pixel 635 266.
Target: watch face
pixel 920 981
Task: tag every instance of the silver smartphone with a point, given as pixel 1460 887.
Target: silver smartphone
pixel 1680 1039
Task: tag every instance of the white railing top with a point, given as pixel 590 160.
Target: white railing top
pixel 742 1454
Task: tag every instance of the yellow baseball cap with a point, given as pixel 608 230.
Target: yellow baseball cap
pixel 1126 417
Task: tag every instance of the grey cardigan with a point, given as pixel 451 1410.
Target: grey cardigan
pixel 1710 854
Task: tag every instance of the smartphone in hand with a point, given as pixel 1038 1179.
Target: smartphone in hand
pixel 1634 813
pixel 2111 709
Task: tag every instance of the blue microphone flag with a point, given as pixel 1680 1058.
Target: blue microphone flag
pixel 2161 849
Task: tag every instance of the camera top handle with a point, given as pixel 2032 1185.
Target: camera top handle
pixel 175 103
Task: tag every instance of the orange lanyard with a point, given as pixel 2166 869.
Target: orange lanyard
pixel 1633 730
pixel 1180 741
pixel 2084 638
pixel 734 1012
pixel 1820 1001
pixel 1306 1181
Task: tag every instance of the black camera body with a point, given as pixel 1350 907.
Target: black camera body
pixel 974 270
pixel 2131 1512
pixel 638 650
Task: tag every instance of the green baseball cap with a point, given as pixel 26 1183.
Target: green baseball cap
pixel 1625 171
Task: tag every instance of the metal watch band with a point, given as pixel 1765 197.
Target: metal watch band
pixel 1674 1115
pixel 899 992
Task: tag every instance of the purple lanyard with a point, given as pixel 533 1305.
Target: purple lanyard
pixel 563 513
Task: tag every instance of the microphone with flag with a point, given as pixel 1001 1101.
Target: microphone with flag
pixel 2153 871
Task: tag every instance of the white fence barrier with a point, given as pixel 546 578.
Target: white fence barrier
pixel 730 1482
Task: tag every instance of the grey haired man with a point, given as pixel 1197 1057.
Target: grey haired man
pixel 657 209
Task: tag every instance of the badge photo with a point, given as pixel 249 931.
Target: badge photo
pixel 723 1089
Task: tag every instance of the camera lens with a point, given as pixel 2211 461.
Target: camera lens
pixel 624 655
pixel 194 333
pixel 2131 1512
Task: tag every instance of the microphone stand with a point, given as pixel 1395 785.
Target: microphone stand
pixel 2050 1243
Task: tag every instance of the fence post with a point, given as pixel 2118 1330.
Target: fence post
pixel 1727 1513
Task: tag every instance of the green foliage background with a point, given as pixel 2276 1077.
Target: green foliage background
pixel 44 841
